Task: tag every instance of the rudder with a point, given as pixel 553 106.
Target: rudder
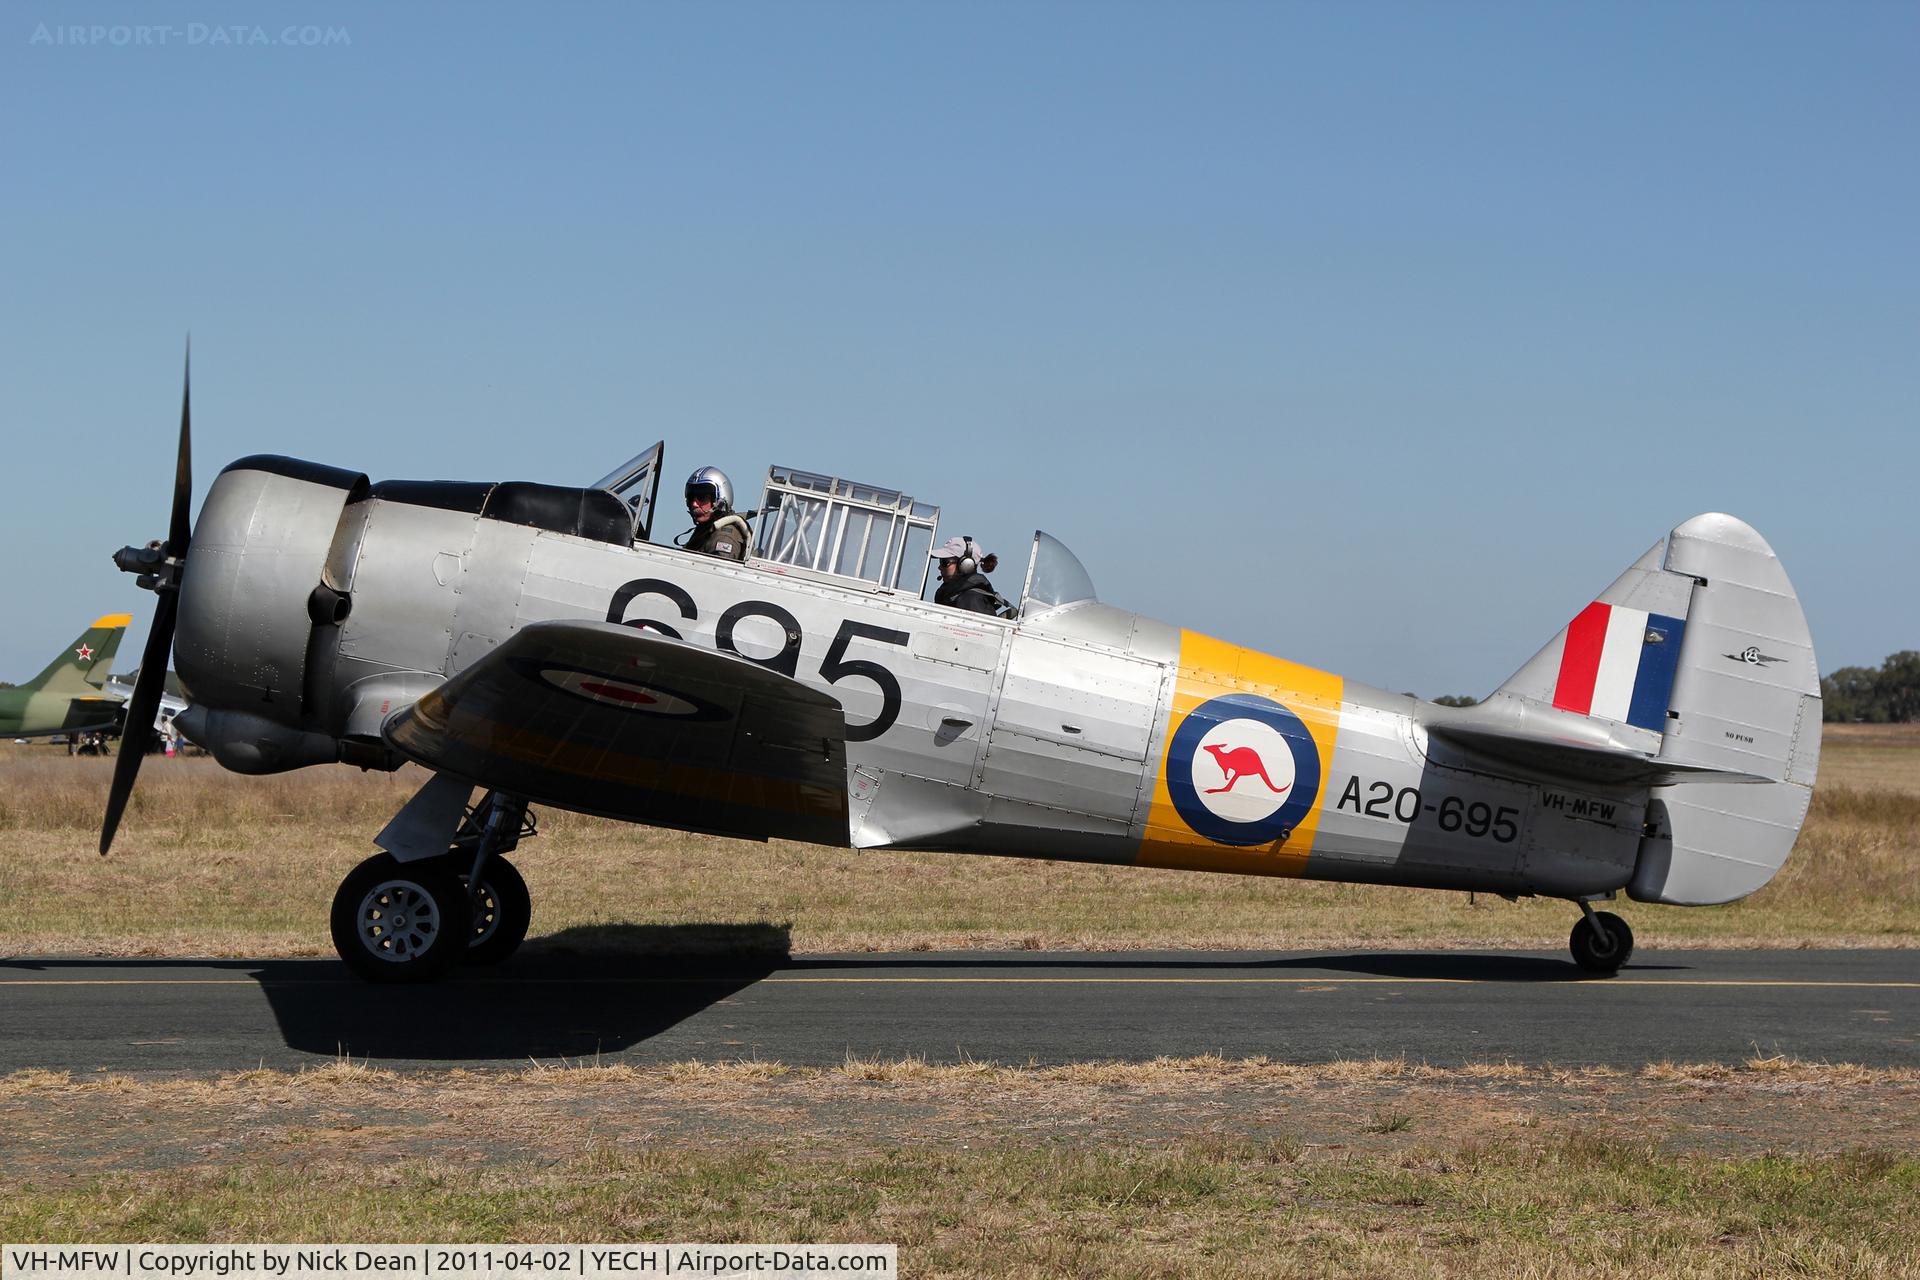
pixel 1746 699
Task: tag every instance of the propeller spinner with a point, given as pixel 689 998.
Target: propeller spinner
pixel 159 565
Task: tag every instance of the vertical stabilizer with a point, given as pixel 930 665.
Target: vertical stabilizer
pixel 83 668
pixel 1614 664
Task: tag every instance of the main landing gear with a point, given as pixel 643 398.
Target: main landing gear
pixel 414 921
pixel 1601 941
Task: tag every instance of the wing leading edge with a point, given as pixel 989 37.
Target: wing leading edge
pixel 629 724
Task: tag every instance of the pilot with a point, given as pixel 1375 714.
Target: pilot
pixel 717 531
pixel 963 577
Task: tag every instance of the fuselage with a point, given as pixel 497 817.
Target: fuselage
pixel 316 605
pixel 26 713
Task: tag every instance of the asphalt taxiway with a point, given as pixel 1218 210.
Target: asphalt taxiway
pixel 1442 1008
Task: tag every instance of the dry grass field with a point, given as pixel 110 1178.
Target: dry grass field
pixel 1166 1168
pixel 214 864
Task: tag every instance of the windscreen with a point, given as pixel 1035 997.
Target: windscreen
pixel 636 482
pixel 1055 576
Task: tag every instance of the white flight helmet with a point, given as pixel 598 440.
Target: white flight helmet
pixel 711 482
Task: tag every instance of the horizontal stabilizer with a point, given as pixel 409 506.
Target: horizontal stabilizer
pixel 1569 760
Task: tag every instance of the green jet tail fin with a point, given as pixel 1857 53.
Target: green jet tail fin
pixel 84 667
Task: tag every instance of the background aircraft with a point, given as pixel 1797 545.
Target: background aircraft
pixel 69 696
pixel 172 698
pixel 528 641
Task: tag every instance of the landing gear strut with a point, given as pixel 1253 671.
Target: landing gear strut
pixel 413 921
pixel 502 909
pixel 1601 941
pixel 501 906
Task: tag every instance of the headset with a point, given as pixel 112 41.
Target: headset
pixel 971 560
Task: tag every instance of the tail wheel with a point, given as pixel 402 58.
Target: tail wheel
pixel 1604 949
pixel 400 922
pixel 502 910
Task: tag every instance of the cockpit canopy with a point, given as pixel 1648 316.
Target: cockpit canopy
pixel 850 531
pixel 840 527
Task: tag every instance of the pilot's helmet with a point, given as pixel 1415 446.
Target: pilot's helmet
pixel 711 483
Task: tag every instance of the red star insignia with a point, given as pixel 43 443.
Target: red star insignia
pixel 86 653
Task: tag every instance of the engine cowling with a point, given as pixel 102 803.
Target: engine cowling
pixel 259 553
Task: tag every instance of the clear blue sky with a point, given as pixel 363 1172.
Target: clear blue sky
pixel 1379 336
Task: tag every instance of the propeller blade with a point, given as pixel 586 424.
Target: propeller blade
pixel 141 709
pixel 179 532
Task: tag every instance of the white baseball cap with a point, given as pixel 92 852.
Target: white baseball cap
pixel 956 549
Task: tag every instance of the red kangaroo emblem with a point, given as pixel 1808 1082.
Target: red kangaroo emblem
pixel 1240 762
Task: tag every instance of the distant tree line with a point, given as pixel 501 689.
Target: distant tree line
pixel 1889 695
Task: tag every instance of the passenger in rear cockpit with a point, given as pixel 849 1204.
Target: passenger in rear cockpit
pixel 717 531
pixel 963 578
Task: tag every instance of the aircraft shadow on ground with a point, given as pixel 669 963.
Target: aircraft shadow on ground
pixel 574 994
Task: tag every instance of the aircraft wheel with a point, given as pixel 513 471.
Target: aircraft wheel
pixel 502 910
pixel 400 922
pixel 1599 952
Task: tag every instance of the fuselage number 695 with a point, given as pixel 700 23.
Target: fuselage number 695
pixel 834 667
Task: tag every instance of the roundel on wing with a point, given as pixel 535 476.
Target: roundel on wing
pixel 1243 770
pixel 627 695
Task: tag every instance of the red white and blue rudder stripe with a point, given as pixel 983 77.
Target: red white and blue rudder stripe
pixel 1619 664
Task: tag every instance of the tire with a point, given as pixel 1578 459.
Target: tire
pixel 1597 954
pixel 501 916
pixel 400 922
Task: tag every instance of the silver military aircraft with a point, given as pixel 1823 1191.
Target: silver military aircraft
pixel 534 644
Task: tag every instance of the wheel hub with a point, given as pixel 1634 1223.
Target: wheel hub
pixel 398 921
pixel 486 914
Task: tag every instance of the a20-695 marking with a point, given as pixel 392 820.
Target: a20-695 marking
pixel 1450 814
